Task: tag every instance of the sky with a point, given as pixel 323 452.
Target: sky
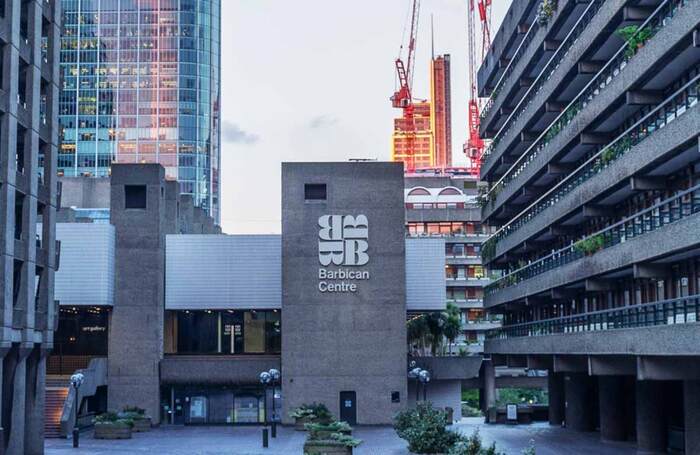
pixel 310 80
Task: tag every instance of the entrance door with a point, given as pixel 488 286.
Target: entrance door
pixel 348 407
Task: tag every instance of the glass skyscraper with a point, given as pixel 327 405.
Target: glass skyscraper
pixel 141 85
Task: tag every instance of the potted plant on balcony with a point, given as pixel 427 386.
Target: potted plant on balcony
pixel 310 413
pixel 545 11
pixel 110 426
pixel 142 422
pixel 635 38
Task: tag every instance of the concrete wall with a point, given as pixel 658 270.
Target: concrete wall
pixel 441 393
pixel 344 341
pixel 425 274
pixel 85 192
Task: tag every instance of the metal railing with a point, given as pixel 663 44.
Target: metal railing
pixel 682 310
pixel 527 39
pixel 680 206
pixel 674 106
pixel 544 75
pixel 602 79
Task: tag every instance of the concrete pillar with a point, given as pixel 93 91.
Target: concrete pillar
pixel 36 393
pixel 15 445
pixel 489 389
pixel 611 396
pixel 578 390
pixel 557 401
pixel 691 407
pixel 651 417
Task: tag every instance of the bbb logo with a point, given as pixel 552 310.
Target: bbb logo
pixel 343 240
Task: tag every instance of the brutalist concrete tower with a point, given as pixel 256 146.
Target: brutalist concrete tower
pixel 29 39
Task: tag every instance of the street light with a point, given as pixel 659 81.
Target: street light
pixel 76 381
pixel 424 377
pixel 265 380
pixel 274 378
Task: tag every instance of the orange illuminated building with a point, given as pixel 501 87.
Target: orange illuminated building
pixel 424 141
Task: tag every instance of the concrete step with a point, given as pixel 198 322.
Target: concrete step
pixel 53 407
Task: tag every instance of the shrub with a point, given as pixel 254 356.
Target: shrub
pixel 424 429
pixel 634 37
pixel 473 446
pixel 346 440
pixel 135 410
pixel 470 411
pixel 108 418
pixel 320 430
pixel 314 411
pixel 545 11
pixel 530 449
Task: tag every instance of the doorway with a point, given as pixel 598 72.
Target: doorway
pixel 348 407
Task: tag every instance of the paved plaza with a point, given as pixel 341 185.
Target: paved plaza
pixel 222 440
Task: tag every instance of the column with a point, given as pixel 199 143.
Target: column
pixel 36 390
pixel 691 406
pixel 15 445
pixel 489 389
pixel 611 396
pixel 651 417
pixel 555 383
pixel 578 390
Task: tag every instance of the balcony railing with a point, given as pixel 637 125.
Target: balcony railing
pixel 605 76
pixel 509 69
pixel 681 310
pixel 668 111
pixel 680 206
pixel 545 74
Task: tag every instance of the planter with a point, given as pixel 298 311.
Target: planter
pixel 299 423
pixel 142 425
pixel 325 434
pixel 326 447
pixel 112 431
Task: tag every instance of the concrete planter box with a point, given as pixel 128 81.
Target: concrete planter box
pixel 142 425
pixel 322 447
pixel 112 431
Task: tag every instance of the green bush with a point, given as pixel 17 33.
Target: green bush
pixel 314 411
pixel 108 418
pixel 473 446
pixel 346 440
pixel 634 37
pixel 424 429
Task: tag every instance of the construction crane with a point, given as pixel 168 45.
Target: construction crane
pixel 403 97
pixel 474 147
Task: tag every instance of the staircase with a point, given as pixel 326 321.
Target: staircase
pixel 56 393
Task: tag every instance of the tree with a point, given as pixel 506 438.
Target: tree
pixel 453 325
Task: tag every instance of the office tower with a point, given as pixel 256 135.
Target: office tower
pixel 441 110
pixel 141 85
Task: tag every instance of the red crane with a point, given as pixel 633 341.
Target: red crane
pixel 474 147
pixel 403 97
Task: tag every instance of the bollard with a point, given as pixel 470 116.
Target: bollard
pixel 265 438
pixel 274 429
pixel 76 437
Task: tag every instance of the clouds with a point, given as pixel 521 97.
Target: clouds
pixel 231 132
pixel 322 121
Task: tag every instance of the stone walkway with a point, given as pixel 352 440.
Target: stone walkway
pixel 377 441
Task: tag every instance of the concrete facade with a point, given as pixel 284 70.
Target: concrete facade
pixel 594 197
pixel 344 341
pixel 28 200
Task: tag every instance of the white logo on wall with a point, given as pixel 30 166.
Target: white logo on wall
pixel 343 241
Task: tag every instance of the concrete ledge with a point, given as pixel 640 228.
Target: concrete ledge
pixel 436 215
pixel 677 339
pixel 653 148
pixel 215 369
pixel 442 368
pixel 678 236
pixel 636 68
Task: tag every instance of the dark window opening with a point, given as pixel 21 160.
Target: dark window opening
pixel 315 191
pixel 16 281
pixel 22 84
pixel 19 219
pixel 19 152
pixel 38 280
pixel 24 20
pixel 135 196
pixel 82 331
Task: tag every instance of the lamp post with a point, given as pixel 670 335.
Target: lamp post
pixel 424 378
pixel 76 381
pixel 265 380
pixel 274 378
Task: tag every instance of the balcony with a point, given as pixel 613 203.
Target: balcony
pixel 463 259
pixel 681 206
pixel 467 281
pixel 643 329
pixel 606 77
pixel 657 119
pixel 481 325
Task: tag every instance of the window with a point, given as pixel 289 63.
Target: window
pixel 315 191
pixel 135 196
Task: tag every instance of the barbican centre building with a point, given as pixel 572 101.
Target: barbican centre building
pixel 167 313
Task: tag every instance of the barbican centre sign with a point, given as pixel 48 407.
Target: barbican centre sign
pixel 342 252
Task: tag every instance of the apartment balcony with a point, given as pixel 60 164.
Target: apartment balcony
pixel 466 282
pixel 653 234
pixel 453 259
pixel 447 214
pixel 667 133
pixel 481 325
pixel 566 74
pixel 661 328
pixel 215 369
pixel 467 303
pixel 619 79
pixel 532 54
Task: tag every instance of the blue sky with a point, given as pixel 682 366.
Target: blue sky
pixel 310 80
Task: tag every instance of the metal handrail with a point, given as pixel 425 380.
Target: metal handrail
pixel 608 236
pixel 661 312
pixel 604 157
pixel 602 79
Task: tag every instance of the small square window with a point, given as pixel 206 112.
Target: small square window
pixel 395 397
pixel 315 191
pixel 135 196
